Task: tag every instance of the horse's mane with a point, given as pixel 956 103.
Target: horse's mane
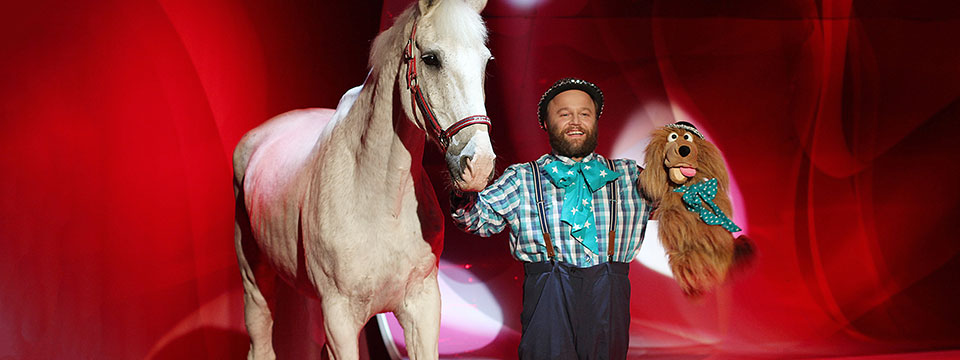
pixel 453 18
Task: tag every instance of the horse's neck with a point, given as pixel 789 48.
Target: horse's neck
pixel 365 150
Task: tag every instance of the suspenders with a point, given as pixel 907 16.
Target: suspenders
pixel 612 186
pixel 540 211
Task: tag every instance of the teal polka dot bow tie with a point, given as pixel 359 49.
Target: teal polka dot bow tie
pixel 694 196
pixel 580 180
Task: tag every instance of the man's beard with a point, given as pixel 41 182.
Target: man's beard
pixel 565 148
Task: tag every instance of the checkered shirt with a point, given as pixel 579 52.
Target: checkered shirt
pixel 511 200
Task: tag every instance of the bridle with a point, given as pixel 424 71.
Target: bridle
pixel 443 136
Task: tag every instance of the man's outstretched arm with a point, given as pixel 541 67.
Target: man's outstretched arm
pixel 489 211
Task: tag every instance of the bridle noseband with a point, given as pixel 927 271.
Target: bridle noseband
pixel 443 136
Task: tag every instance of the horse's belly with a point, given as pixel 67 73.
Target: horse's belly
pixel 276 179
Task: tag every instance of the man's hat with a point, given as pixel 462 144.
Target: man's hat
pixel 569 84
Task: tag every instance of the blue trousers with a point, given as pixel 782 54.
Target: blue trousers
pixel 575 313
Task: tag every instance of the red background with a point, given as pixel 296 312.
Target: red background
pixel 838 120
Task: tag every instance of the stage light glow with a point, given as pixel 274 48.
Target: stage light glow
pixel 213 314
pixel 471 316
pixel 524 4
pixel 651 253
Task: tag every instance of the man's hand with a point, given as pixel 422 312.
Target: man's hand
pixel 476 174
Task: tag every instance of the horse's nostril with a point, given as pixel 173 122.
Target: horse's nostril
pixel 684 150
pixel 463 162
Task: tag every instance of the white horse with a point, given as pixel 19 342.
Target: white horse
pixel 329 199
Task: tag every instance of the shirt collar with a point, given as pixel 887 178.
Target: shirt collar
pixel 570 161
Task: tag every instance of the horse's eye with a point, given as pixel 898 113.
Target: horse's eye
pixel 672 137
pixel 430 59
pixel 687 137
pixel 491 58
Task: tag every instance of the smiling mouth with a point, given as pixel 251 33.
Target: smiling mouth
pixel 575 133
pixel 685 169
pixel 688 171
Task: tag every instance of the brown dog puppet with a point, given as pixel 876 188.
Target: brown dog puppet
pixel 685 174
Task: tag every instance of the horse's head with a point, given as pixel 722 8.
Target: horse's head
pixel 445 57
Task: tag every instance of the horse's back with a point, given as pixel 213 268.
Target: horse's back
pixel 291 135
pixel 279 147
pixel 272 166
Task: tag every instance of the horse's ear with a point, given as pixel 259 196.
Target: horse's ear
pixel 477 5
pixel 427 5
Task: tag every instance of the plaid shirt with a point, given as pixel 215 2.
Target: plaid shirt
pixel 511 200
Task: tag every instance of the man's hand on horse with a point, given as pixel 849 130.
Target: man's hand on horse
pixel 476 174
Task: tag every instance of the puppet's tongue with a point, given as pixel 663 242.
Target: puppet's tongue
pixel 688 171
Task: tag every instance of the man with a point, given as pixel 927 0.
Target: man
pixel 577 242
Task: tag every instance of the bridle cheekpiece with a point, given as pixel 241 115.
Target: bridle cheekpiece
pixel 443 136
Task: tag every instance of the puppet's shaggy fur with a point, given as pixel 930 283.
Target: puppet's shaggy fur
pixel 700 254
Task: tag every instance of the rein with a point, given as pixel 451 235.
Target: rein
pixel 443 136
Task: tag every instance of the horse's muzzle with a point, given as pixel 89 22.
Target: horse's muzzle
pixel 472 166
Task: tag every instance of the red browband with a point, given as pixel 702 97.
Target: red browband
pixel 443 136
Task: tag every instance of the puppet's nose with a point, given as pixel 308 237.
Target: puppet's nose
pixel 684 150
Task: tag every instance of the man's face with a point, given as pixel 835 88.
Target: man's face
pixel 572 124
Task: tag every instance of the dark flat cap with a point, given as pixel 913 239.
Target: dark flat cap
pixel 569 84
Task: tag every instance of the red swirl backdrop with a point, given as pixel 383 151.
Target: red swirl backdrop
pixel 838 120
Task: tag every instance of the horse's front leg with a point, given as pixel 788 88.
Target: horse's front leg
pixel 419 315
pixel 341 323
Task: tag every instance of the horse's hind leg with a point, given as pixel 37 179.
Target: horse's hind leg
pixel 256 310
pixel 419 315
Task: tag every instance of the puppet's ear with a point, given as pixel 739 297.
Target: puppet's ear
pixel 653 178
pixel 711 164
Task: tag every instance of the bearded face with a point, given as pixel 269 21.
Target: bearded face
pixel 572 124
pixel 573 140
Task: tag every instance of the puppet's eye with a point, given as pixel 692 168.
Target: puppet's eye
pixel 687 137
pixel 672 137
